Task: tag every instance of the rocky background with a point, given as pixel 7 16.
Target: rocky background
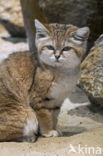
pixel 92 73
pixel 77 12
pixel 81 116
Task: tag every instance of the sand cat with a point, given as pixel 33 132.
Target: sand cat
pixel 31 91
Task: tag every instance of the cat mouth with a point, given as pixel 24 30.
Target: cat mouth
pixel 57 61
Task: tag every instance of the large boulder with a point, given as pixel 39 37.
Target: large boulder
pixel 77 12
pixel 92 73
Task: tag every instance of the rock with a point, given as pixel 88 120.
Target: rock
pixel 92 73
pixel 13 29
pixel 11 10
pixel 11 17
pixel 80 13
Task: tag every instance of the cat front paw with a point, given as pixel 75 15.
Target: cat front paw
pixel 31 138
pixel 52 133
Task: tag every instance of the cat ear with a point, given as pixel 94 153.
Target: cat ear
pixel 80 35
pixel 41 30
pixel 83 33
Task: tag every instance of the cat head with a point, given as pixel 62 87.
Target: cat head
pixel 60 45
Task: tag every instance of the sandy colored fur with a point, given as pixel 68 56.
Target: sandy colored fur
pixel 31 90
pixel 21 89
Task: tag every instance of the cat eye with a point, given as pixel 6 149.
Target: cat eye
pixel 41 35
pixel 66 48
pixel 50 47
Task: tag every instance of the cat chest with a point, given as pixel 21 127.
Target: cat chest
pixel 61 89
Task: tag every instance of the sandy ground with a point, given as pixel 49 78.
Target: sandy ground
pixel 80 122
pixel 58 146
pixel 82 133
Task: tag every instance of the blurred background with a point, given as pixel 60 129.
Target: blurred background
pixel 77 12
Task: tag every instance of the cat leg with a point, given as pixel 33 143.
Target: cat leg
pixel 46 124
pixel 55 114
pixel 18 123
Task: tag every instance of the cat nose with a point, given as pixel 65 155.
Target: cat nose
pixel 57 56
